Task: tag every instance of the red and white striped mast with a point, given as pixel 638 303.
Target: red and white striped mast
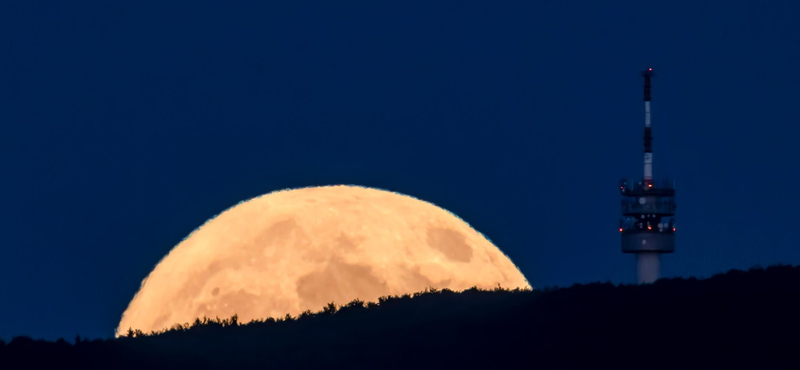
pixel 648 138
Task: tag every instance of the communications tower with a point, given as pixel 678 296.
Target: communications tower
pixel 647 226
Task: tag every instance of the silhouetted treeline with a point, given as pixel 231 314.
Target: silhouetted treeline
pixel 740 319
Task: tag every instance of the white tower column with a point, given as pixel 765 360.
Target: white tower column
pixel 648 267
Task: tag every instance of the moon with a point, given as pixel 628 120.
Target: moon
pixel 296 250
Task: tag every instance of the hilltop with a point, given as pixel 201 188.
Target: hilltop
pixel 736 319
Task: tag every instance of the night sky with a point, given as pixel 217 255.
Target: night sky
pixel 126 126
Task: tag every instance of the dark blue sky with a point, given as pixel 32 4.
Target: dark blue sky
pixel 126 126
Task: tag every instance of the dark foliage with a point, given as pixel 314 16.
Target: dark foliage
pixel 733 320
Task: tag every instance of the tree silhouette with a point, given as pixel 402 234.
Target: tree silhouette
pixel 738 319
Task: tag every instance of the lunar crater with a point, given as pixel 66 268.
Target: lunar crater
pixel 338 282
pixel 451 243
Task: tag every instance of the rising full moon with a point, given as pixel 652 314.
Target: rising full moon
pixel 296 250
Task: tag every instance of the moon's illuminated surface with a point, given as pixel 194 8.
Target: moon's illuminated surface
pixel 294 250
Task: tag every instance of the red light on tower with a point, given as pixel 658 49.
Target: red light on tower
pixel 620 229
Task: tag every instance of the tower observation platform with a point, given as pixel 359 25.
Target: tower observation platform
pixel 647 226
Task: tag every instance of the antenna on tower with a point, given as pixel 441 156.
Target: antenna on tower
pixel 648 137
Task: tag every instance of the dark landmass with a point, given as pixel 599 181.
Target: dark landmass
pixel 732 320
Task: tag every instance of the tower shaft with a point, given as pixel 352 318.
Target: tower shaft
pixel 648 267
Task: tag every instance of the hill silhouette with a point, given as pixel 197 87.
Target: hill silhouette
pixel 737 319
